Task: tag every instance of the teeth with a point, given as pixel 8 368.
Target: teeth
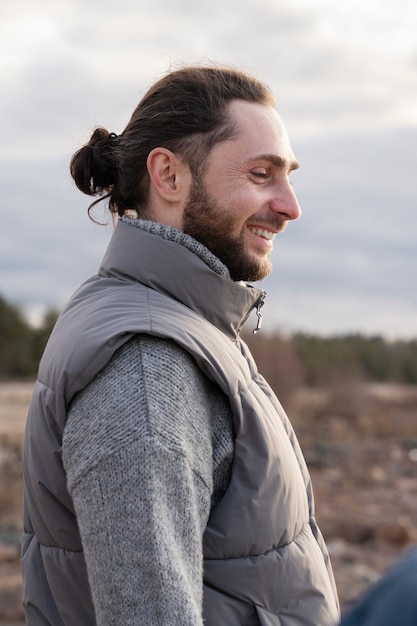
pixel 266 234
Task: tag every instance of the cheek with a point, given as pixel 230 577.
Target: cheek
pixel 245 203
pixel 224 184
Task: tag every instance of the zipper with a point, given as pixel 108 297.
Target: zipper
pixel 258 307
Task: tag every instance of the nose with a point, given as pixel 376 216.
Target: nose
pixel 285 202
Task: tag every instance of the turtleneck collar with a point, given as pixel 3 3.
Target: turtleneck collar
pixel 172 234
pixel 173 263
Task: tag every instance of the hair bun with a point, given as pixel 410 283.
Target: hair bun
pixel 94 166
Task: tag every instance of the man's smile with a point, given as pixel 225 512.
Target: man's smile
pixel 262 232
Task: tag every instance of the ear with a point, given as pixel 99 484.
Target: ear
pixel 166 173
pixel 170 184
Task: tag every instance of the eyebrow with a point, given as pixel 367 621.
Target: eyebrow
pixel 278 161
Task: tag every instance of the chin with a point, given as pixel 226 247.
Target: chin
pixel 252 272
pixel 261 269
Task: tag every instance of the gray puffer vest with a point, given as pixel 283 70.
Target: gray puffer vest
pixel 265 562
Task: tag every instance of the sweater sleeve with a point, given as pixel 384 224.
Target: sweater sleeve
pixel 138 454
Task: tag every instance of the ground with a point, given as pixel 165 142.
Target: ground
pixel 360 443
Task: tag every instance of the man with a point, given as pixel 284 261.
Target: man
pixel 163 482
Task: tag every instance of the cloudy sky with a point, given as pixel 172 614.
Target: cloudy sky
pixel 344 74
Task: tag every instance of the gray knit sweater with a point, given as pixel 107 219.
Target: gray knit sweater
pixel 148 449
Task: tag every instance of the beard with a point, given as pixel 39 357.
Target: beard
pixel 210 224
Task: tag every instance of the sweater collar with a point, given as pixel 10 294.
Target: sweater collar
pixel 170 262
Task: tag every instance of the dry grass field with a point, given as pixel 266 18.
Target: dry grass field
pixel 360 443
pixel 14 399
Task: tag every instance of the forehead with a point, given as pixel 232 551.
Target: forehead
pixel 260 131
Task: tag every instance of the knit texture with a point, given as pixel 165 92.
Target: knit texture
pixel 148 449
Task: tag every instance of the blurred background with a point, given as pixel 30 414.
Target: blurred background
pixel 340 321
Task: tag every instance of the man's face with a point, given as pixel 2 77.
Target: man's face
pixel 245 198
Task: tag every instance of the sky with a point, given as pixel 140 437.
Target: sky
pixel 344 75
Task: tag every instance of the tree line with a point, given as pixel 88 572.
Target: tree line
pixel 286 362
pixel 315 361
pixel 21 345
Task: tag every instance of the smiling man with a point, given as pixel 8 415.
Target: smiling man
pixel 164 484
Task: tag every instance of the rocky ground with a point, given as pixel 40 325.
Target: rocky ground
pixel 360 442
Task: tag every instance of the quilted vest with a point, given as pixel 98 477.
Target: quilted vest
pixel 265 562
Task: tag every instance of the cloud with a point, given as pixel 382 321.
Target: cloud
pixel 71 62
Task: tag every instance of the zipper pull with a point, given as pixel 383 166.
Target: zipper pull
pixel 259 305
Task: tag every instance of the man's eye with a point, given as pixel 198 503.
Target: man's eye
pixel 260 174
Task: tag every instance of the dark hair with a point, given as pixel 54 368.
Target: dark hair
pixel 185 112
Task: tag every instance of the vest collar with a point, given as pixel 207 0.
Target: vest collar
pixel 171 268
